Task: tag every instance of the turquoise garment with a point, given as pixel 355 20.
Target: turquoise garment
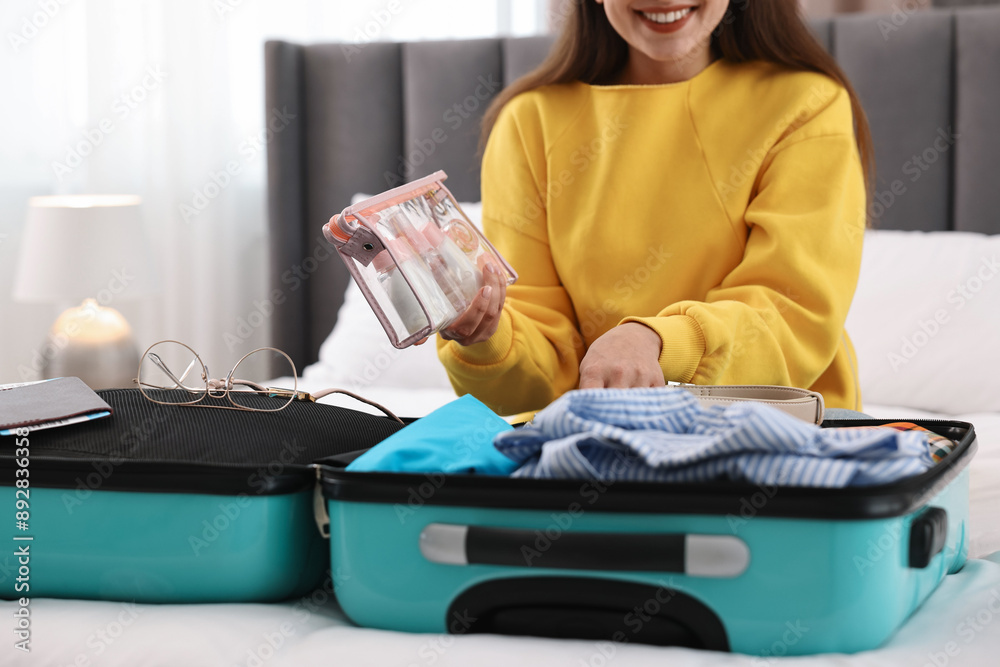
pixel 456 438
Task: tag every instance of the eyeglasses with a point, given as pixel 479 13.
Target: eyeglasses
pixel 171 373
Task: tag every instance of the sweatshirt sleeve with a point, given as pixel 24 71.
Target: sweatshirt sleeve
pixel 778 316
pixel 535 354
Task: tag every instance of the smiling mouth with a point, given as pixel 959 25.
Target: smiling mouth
pixel 666 18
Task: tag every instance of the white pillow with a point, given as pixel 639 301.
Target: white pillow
pixel 358 355
pixel 925 321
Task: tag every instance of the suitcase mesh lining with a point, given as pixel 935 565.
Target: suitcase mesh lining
pixel 140 430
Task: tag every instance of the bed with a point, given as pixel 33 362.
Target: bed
pixel 925 322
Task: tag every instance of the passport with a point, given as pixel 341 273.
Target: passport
pixel 48 404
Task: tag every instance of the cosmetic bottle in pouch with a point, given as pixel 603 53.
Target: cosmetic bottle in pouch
pixel 399 293
pixel 409 282
pixel 431 258
pixel 467 275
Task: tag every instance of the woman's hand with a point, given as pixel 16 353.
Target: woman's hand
pixel 481 318
pixel 626 356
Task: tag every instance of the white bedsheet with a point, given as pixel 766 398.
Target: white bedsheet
pixel 958 625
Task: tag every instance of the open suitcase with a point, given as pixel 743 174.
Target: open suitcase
pixel 177 504
pixel 724 566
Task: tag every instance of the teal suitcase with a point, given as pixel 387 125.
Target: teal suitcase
pixel 725 566
pixel 175 504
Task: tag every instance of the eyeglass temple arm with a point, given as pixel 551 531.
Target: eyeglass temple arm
pixel 379 406
pixel 155 358
pixel 253 385
pixel 305 396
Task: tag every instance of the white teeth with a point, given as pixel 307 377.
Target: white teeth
pixel 669 17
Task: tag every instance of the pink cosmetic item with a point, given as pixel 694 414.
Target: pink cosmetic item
pixel 415 255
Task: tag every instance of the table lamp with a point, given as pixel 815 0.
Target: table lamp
pixel 87 250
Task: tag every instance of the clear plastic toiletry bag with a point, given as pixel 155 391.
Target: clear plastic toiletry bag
pixel 415 255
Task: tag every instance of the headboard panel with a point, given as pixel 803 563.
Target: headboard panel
pixel 369 116
pixel 906 87
pixel 446 89
pixel 977 117
pixel 521 55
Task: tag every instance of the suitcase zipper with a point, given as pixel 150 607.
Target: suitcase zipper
pixel 321 516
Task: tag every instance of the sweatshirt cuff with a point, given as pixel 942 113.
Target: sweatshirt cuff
pixel 493 350
pixel 683 344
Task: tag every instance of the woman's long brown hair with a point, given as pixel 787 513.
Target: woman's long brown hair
pixel 589 50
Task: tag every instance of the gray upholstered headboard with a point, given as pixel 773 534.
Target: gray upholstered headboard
pixel 371 116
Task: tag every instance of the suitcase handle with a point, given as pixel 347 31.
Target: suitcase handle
pixel 717 556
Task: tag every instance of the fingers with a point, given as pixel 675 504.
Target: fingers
pixel 497 280
pixel 466 324
pixel 618 377
pixel 622 358
pixel 481 319
pixel 591 380
pixel 491 320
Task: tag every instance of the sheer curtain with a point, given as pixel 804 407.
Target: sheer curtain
pixel 165 99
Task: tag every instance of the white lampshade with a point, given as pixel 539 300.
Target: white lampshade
pixel 83 246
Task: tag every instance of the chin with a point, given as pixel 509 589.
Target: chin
pixel 682 52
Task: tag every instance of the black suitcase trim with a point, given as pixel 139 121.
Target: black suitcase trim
pixel 866 502
pixel 588 608
pixel 165 477
pixel 151 448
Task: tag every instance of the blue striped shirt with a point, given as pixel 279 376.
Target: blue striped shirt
pixel 664 434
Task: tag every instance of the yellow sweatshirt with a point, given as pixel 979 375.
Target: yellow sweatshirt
pixel 726 212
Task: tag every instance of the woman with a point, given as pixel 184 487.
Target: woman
pixel 682 188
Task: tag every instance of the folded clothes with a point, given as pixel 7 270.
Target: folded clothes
pixel 454 439
pixel 664 434
pixel 938 445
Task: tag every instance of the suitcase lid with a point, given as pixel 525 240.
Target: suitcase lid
pixel 149 447
pixel 719 497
